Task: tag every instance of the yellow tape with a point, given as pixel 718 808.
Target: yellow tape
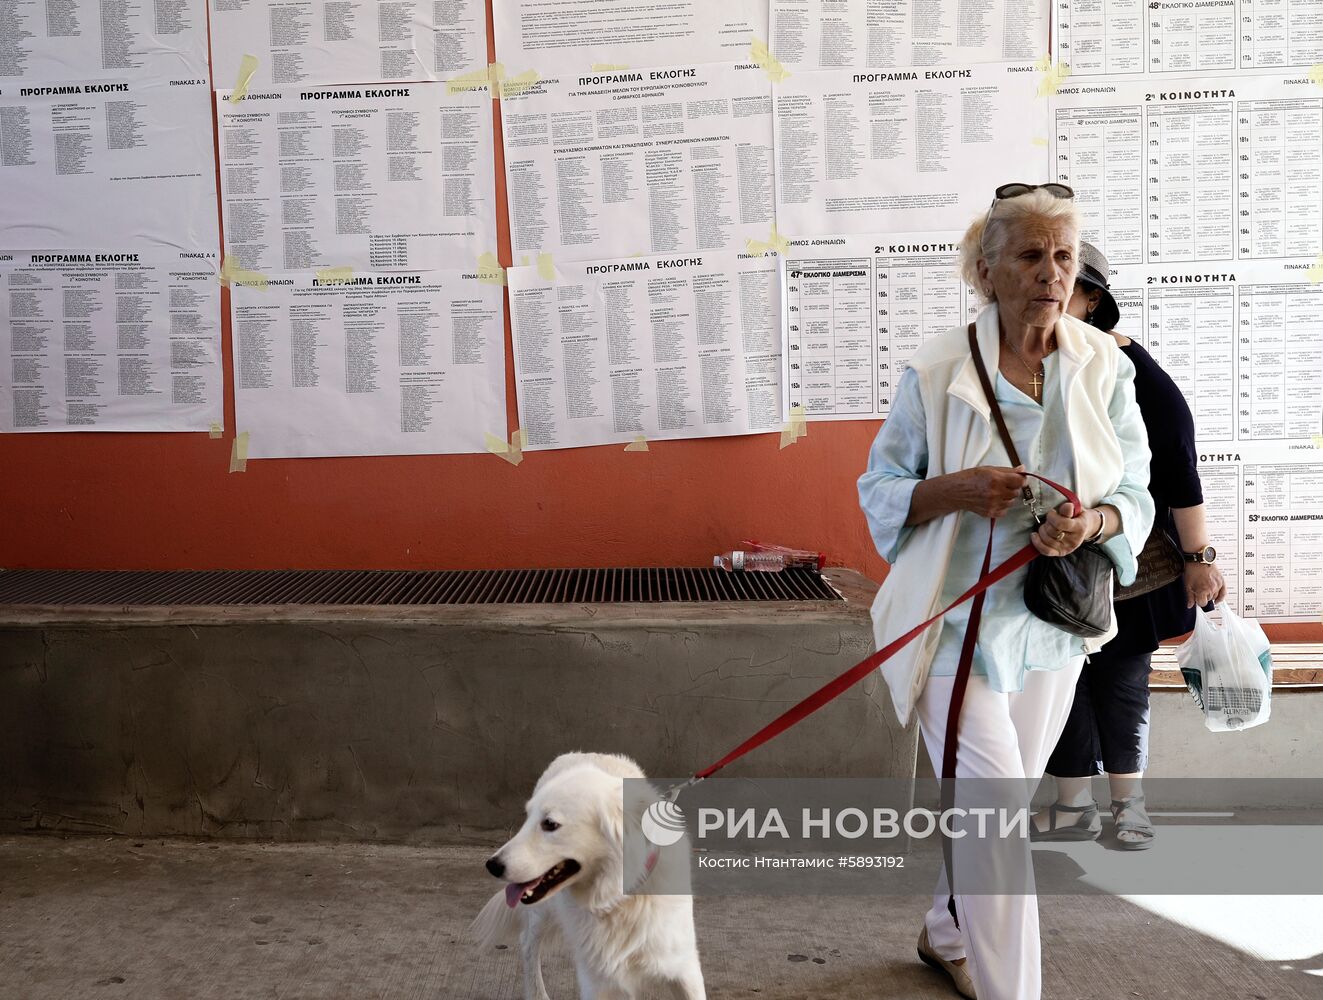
pixel 247 67
pixel 775 243
pixel 1318 441
pixel 795 428
pixel 1038 140
pixel 608 67
pixel 479 79
pixel 239 453
pixel 1052 77
pixel 512 452
pixel 490 271
pixel 546 267
pixel 334 275
pixel 232 274
pixel 1315 273
pixel 217 431
pixel 640 443
pixel 770 65
pixel 1316 74
pixel 514 86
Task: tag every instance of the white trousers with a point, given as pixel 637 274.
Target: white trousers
pixel 1001 736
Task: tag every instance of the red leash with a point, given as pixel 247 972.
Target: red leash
pixel 838 685
pixel 860 670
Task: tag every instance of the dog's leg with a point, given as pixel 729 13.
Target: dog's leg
pixel 530 949
pixel 594 986
pixel 690 985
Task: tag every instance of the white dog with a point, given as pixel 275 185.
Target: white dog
pixel 566 870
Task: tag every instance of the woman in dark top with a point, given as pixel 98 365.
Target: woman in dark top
pixel 1107 730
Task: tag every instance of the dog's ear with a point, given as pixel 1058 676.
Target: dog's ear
pixel 608 884
pixel 624 861
pixel 636 797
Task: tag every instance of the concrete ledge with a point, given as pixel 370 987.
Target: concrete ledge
pixel 417 725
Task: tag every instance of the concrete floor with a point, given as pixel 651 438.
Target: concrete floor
pixel 105 918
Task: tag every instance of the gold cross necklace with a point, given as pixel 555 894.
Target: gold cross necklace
pixel 1035 377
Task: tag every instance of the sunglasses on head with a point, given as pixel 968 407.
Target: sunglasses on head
pixel 1014 191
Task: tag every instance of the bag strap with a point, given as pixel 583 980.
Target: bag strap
pixel 992 398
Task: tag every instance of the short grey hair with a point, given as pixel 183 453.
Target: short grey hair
pixel 1007 214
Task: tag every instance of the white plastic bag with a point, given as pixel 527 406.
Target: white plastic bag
pixel 1228 670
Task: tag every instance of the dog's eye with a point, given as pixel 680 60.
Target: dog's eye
pixel 550 825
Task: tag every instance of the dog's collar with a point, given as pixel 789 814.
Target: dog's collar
pixel 649 863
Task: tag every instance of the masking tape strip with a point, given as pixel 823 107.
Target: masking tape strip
pixel 216 431
pixel 1052 77
pixel 1318 441
pixel 775 243
pixel 639 443
pixel 609 67
pixel 1315 272
pixel 239 453
pixel 490 271
pixel 546 267
pixel 232 274
pixel 1038 140
pixel 769 64
pixel 1316 74
pixel 512 452
pixel 479 79
pixel 334 275
pixel 247 67
pixel 514 86
pixel 795 428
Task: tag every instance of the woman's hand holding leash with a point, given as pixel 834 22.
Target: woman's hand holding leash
pixel 991 490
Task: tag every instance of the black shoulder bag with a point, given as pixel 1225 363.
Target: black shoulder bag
pixel 1072 592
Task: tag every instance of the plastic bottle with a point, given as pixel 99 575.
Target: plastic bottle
pixel 764 562
pixel 793 558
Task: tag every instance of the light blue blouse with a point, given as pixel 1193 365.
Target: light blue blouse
pixel 1011 640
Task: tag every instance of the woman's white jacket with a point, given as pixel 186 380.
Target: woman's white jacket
pixel 959 435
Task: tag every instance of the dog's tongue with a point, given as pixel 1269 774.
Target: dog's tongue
pixel 514 890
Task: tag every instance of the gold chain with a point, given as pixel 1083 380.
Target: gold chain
pixel 1036 377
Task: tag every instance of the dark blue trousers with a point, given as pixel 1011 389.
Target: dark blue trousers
pixel 1107 730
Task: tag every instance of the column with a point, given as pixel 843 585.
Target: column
pixel 1303 321
pixel 1267 391
pixel 1303 189
pixel 852 340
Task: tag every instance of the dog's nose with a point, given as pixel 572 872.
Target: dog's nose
pixel 495 866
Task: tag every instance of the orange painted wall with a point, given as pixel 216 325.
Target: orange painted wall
pixel 168 501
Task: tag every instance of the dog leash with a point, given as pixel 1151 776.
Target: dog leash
pixel 843 682
pixel 840 684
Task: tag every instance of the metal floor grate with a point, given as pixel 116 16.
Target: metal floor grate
pixel 266 588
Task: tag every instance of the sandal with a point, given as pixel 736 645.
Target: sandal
pixel 1139 823
pixel 1088 826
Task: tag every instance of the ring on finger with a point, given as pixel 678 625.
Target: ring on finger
pixel 1060 535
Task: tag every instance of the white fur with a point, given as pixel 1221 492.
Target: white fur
pixel 625 946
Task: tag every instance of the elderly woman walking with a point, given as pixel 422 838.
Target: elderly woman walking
pixel 937 471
